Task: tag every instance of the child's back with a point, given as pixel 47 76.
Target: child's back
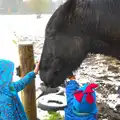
pixel 81 102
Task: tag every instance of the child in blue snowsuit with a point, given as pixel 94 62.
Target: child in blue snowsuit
pixel 81 101
pixel 10 105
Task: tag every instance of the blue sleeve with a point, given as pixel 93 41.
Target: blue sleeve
pixel 21 84
pixel 71 87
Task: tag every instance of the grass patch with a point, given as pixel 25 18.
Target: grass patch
pixel 54 116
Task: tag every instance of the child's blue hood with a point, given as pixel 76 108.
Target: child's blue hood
pixel 84 100
pixel 6 73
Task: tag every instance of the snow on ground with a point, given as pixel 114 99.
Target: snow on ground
pixel 23 25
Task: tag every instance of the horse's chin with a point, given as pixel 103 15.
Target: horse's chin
pixel 51 81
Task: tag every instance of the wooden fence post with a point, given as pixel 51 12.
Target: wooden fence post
pixel 28 95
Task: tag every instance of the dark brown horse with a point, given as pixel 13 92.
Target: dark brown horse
pixel 79 27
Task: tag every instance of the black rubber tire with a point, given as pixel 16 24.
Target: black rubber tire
pixel 47 90
pixel 56 91
pixel 44 102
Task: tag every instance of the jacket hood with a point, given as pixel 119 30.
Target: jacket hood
pixel 84 100
pixel 6 73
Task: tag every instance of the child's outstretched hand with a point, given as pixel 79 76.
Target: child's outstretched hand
pixel 37 67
